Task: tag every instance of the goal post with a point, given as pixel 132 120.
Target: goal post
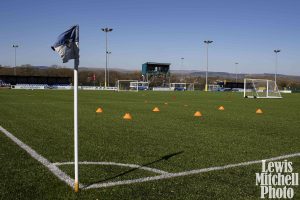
pixel 261 88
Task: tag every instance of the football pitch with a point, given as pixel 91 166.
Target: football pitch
pixel 157 155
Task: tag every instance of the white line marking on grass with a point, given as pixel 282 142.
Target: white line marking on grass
pixel 186 173
pixel 54 169
pixel 158 171
pixel 164 175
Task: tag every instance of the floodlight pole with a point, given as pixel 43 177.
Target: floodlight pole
pixel 106 30
pixel 276 63
pixel 108 54
pixel 15 46
pixel 236 72
pixel 207 42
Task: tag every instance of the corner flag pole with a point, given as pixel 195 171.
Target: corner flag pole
pixel 67 46
pixel 76 63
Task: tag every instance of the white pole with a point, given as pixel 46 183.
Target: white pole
pixel 105 60
pixel 108 70
pixel 108 54
pixel 268 88
pixel 118 86
pixel 15 46
pixel 76 63
pixel 15 70
pixel 276 60
pixel 207 42
pixel 244 87
pixel 236 73
pixel 206 67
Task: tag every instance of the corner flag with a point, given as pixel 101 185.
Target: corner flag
pixel 67 46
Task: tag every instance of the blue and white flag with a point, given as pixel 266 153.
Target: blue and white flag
pixel 67 44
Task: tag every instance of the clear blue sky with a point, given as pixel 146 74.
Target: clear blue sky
pixel 244 31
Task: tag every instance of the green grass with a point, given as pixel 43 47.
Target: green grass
pixel 44 121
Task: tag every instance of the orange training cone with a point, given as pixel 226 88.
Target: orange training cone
pixel 221 108
pixel 127 116
pixel 99 110
pixel 197 114
pixel 259 111
pixel 156 109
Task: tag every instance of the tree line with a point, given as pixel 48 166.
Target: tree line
pixel 86 76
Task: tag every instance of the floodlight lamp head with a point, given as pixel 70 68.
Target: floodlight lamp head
pixel 15 45
pixel 107 29
pixel 277 50
pixel 208 41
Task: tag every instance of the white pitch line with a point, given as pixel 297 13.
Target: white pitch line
pixel 69 181
pixel 54 169
pixel 158 171
pixel 186 173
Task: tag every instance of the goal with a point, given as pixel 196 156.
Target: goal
pixel 261 88
pixel 127 85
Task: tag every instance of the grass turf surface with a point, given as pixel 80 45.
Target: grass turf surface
pixel 44 121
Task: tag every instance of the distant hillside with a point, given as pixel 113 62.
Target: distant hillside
pixel 44 70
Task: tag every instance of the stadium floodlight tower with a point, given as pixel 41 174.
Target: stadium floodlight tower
pixel 15 46
pixel 106 30
pixel 207 42
pixel 276 63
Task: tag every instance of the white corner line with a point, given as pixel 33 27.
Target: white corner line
pixel 150 169
pixel 164 175
pixel 186 173
pixel 52 168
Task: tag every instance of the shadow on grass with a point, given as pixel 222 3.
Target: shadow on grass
pixel 163 158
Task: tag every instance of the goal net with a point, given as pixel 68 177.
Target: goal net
pixel 127 85
pixel 260 88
